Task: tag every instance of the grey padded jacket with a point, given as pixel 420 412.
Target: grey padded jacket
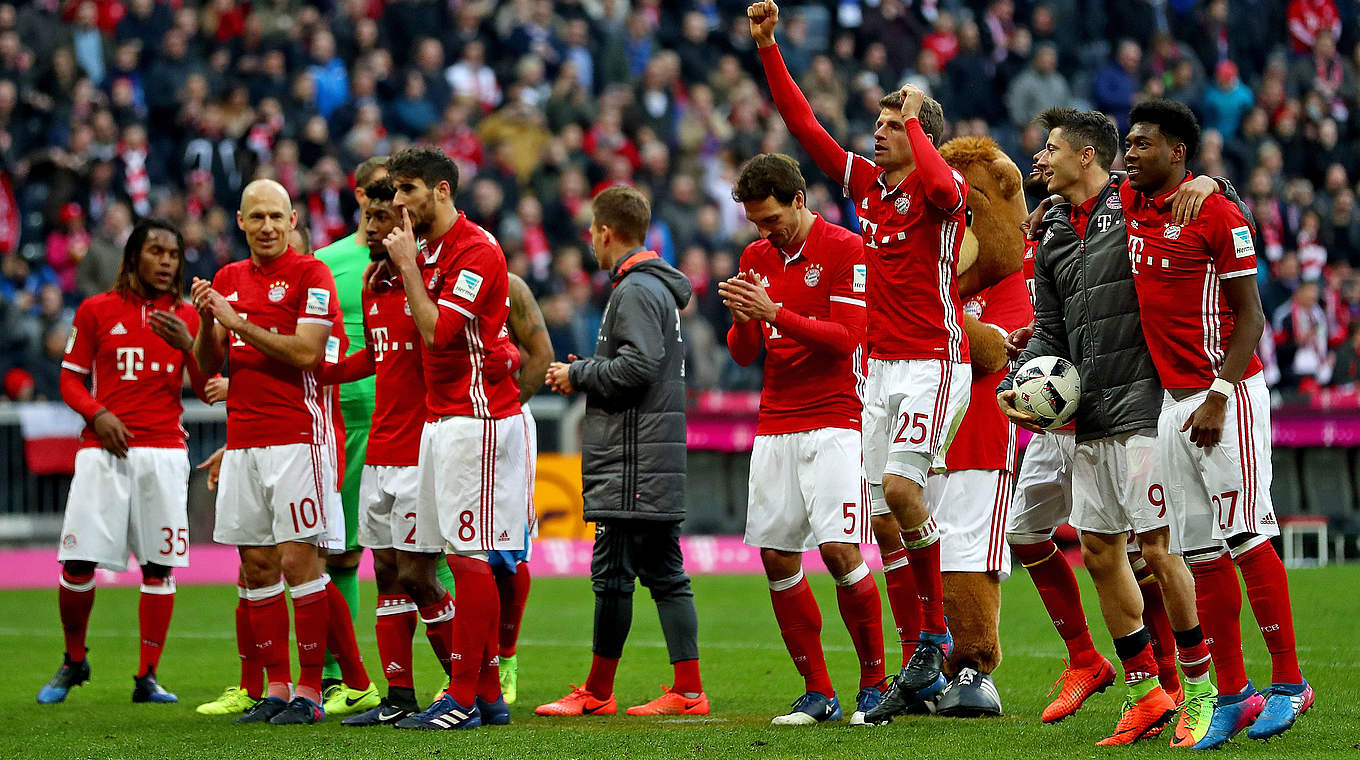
pixel 633 454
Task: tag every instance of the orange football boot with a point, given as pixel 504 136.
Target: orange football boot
pixel 579 702
pixel 673 703
pixel 1075 686
pixel 1143 716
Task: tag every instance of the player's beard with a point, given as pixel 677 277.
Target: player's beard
pixel 422 217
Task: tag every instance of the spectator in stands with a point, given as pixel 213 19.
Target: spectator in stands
pixel 1308 19
pixel 1037 87
pixel 1300 327
pixel 1118 81
pixel 67 245
pixel 97 272
pixel 1227 101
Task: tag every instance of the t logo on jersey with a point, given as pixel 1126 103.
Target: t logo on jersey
pixel 1135 252
pixel 378 343
pixel 129 362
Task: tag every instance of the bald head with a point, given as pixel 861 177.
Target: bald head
pixel 264 189
pixel 266 216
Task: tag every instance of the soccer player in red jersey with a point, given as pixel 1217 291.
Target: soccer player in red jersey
pixel 404 538
pixel 473 448
pixel 130 486
pixel 800 294
pixel 911 208
pixel 971 496
pixel 271 316
pixel 1202 316
pixel 530 336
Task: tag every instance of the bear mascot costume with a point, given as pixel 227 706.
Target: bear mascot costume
pixel 970 495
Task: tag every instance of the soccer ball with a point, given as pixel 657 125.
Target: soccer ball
pixel 1049 388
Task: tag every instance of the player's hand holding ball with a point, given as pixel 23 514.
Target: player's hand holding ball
pixel 401 244
pixel 558 378
pixel 1045 394
pixel 764 16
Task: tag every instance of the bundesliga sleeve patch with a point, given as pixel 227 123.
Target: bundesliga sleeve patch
pixel 318 301
pixel 71 340
pixel 332 350
pixel 859 278
pixel 467 285
pixel 1242 245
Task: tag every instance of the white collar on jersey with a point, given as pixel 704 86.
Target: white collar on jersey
pixel 886 192
pixel 789 258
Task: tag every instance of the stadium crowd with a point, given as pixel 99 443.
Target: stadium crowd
pixel 111 110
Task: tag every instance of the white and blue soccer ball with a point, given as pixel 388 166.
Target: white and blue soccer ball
pixel 1049 388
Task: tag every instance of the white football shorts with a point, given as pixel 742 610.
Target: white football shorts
pixel 136 505
pixel 806 489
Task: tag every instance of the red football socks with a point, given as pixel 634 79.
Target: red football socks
pixel 1268 592
pixel 154 608
pixel 800 623
pixel 687 677
pixel 395 625
pixel 311 618
pixel 75 599
pixel 514 592
pixel 862 610
pixel 269 630
pixel 1057 585
pixel 900 581
pixel 600 682
pixel 473 625
pixel 340 640
pixel 252 672
pixel 438 619
pixel 1159 626
pixel 923 544
pixel 1135 654
pixel 1219 601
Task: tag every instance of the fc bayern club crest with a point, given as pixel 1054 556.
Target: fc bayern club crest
pixel 1114 203
pixel 812 276
pixel 277 291
pixel 1172 232
pixel 903 204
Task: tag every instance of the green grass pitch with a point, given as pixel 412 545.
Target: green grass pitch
pixel 746 672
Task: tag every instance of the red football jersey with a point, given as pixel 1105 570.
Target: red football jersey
pixel 986 439
pixel 465 274
pixel 1178 272
pixel 912 232
pixel 807 387
pixel 134 373
pixel 272 403
pixel 911 248
pixel 394 349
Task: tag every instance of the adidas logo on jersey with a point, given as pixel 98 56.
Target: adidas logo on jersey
pixel 118 329
pixel 233 297
pixel 504 536
pixel 373 311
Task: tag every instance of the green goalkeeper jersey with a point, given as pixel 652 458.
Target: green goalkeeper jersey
pixel 347 259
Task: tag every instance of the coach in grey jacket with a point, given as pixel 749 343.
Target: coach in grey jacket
pixel 633 453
